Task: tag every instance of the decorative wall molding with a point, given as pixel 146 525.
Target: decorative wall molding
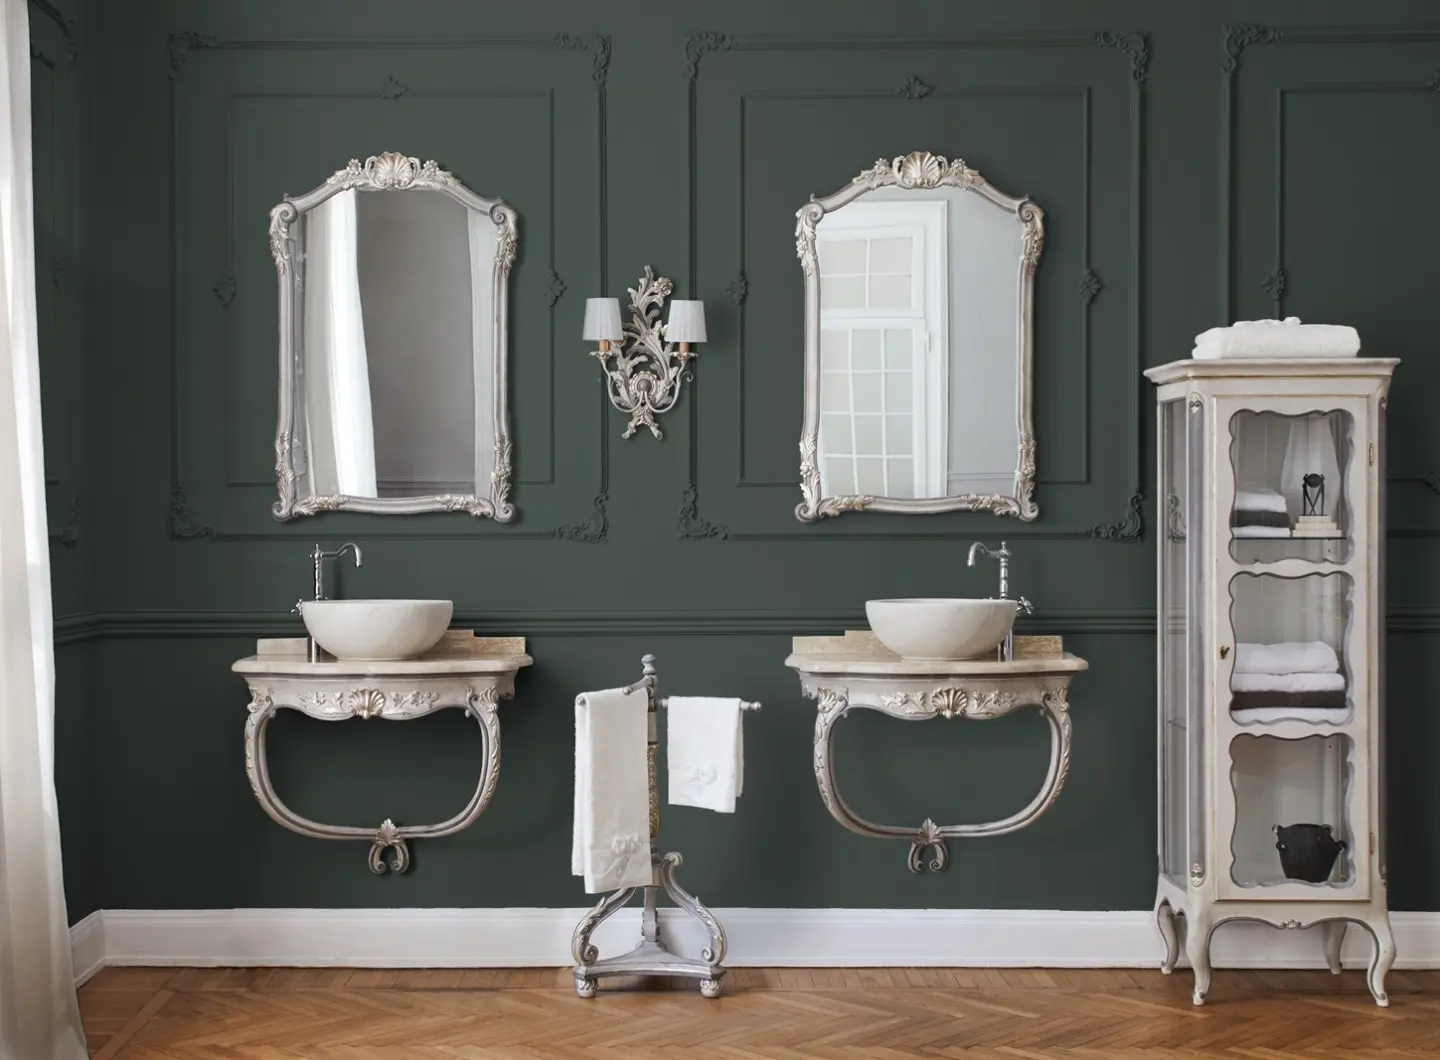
pixel 224 288
pixel 556 290
pixel 1136 47
pixel 1129 530
pixel 594 530
pixel 1235 39
pixel 915 89
pixel 183 525
pixel 1090 286
pixel 1238 36
pixel 391 88
pixel 596 45
pixel 793 938
pixel 182 44
pixel 67 28
pixel 1132 46
pixel 1274 286
pixel 738 289
pixel 694 527
pixel 700 43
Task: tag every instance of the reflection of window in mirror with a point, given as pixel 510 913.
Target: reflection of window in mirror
pixel 883 349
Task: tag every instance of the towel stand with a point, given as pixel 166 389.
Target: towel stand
pixel 651 957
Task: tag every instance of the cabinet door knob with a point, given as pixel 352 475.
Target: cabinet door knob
pixel 1224 650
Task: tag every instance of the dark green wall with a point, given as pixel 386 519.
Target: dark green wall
pixel 1201 169
pixel 56 111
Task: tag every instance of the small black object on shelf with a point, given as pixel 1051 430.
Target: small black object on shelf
pixel 1307 851
pixel 1312 496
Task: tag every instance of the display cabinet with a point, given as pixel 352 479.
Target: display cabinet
pixel 1271 652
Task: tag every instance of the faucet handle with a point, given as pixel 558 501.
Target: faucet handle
pixel 296 610
pixel 1024 606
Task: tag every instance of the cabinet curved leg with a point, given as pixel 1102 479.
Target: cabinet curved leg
pixel 930 836
pixel 1383 958
pixel 389 836
pixel 1199 926
pixel 1165 921
pixel 1332 934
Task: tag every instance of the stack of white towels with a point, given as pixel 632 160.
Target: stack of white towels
pixel 1259 513
pixel 1277 338
pixel 705 752
pixel 1295 680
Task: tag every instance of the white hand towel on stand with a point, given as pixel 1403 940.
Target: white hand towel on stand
pixel 705 752
pixel 611 847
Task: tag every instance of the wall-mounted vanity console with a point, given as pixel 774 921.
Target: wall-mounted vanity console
pixel 463 671
pixel 856 670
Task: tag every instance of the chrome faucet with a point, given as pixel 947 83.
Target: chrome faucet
pixel 318 556
pixel 1022 605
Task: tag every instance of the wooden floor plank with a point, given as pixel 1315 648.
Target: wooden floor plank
pixel 780 1014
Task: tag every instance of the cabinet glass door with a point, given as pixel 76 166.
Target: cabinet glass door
pixel 1292 677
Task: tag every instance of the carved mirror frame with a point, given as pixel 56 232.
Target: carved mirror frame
pixel 394 172
pixel 919 169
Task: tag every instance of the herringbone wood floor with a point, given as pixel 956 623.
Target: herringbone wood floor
pixel 789 1014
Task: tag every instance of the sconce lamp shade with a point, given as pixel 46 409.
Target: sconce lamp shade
pixel 602 320
pixel 687 321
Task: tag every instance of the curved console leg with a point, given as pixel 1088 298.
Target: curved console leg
pixel 1384 957
pixel 1165 921
pixel 389 836
pixel 1332 934
pixel 1199 926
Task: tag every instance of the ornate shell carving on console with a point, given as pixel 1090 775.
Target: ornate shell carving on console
pixel 260 701
pixel 365 702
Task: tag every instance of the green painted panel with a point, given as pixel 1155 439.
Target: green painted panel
pixel 255 123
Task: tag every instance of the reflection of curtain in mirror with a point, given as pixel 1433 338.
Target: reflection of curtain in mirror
pixel 483 243
pixel 1312 448
pixel 340 428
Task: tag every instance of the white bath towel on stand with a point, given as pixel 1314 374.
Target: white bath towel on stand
pixel 611 847
pixel 705 752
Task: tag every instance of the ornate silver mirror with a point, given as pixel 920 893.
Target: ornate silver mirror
pixel 919 293
pixel 393 344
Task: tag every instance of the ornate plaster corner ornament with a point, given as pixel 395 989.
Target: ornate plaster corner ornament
pixel 643 371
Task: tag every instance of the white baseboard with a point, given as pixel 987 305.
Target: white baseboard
pixel 87 946
pixel 539 938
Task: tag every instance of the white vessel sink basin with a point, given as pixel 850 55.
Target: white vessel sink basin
pixel 937 629
pixel 377 630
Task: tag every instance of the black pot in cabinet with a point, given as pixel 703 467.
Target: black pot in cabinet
pixel 1307 851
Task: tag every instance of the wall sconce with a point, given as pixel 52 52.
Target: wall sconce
pixel 647 370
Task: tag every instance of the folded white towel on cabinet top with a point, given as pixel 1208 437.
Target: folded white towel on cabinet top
pixel 1306 657
pixel 705 752
pixel 611 846
pixel 1293 682
pixel 1260 501
pixel 1277 338
pixel 1260 531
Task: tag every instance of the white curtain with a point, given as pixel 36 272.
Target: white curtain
pixel 339 423
pixel 39 1015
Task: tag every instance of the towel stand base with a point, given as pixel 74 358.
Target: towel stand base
pixel 650 956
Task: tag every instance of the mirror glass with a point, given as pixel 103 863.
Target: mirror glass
pixel 393 312
pixel 919 283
